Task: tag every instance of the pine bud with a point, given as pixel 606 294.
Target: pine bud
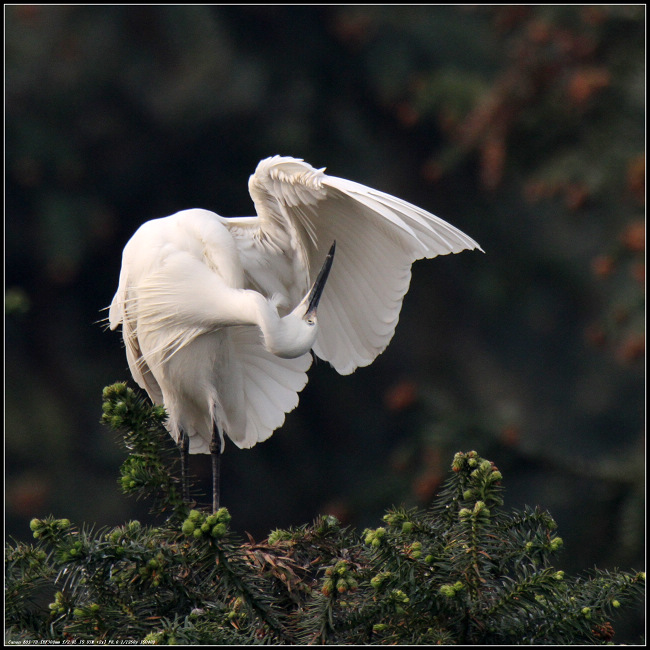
pixel 115 390
pixel 400 596
pixel 279 535
pixel 121 409
pixel 341 567
pixel 223 516
pixel 373 537
pixel 159 413
pixel 458 462
pixel 219 530
pixel 414 550
pixel 377 581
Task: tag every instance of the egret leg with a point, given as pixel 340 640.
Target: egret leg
pixel 184 446
pixel 215 452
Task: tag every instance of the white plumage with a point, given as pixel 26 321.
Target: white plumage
pixel 214 310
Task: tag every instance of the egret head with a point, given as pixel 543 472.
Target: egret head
pixel 295 334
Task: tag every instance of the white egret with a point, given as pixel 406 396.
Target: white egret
pixel 218 316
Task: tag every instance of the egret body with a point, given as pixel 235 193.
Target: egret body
pixel 219 315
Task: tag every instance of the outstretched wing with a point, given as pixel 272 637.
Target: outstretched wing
pixel 302 210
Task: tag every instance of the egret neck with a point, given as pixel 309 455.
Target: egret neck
pixel 294 334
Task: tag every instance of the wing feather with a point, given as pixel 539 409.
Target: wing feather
pixel 270 386
pixel 122 313
pixel 302 210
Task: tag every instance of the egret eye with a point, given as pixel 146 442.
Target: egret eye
pixel 310 320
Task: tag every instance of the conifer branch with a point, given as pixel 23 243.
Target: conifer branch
pixel 463 572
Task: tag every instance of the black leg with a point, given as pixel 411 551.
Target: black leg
pixel 215 452
pixel 184 446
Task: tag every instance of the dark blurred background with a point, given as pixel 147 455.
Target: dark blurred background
pixel 523 126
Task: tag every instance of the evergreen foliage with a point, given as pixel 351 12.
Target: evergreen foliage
pixel 465 571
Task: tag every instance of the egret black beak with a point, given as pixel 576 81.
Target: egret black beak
pixel 317 288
